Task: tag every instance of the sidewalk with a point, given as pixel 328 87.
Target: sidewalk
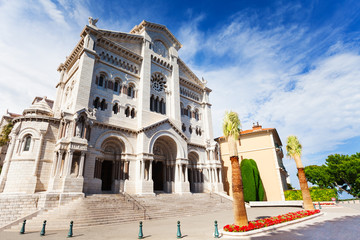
pixel 195 227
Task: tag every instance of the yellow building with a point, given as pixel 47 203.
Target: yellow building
pixel 264 146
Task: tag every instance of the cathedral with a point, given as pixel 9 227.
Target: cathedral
pixel 129 116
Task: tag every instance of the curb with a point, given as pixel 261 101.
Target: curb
pixel 266 229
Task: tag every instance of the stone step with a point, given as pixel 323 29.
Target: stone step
pixel 111 209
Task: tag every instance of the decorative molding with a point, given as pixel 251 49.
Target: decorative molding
pixel 153 26
pixel 119 50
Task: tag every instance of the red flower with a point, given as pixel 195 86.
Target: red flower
pixel 270 221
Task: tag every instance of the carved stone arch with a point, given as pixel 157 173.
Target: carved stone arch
pixel 26 131
pixel 128 148
pixel 180 151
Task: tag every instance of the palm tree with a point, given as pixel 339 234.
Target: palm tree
pixel 293 149
pixel 231 129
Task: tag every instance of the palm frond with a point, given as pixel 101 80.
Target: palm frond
pixel 293 147
pixel 231 124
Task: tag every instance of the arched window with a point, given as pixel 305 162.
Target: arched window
pixel 101 80
pixel 196 114
pixel 127 111
pixel 27 143
pixel 130 91
pixel 182 109
pixel 152 103
pixel 132 114
pixel 96 103
pixel 183 127
pixel 116 86
pixel 116 108
pixel 103 105
pixel 161 106
pixel 189 111
pixel 190 129
pixel 157 104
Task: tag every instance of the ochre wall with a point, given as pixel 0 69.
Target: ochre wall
pixel 259 146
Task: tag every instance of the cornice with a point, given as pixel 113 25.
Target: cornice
pixel 121 35
pixel 138 29
pixel 197 145
pixel 189 84
pixel 113 127
pixel 144 129
pixel 120 50
pixel 36 118
pixel 187 70
pixel 73 56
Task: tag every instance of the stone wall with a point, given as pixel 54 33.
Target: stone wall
pixel 15 206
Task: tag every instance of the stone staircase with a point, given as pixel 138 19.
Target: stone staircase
pixel 172 205
pixel 102 209
pixel 92 210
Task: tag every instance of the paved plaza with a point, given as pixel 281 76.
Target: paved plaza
pixel 328 226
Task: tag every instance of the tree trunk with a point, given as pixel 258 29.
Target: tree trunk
pixel 308 204
pixel 238 194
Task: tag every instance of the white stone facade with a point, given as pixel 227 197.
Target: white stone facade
pixel 129 116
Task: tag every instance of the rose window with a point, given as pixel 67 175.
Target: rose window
pixel 158 82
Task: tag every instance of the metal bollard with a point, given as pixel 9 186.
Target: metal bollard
pixel 314 205
pixel 319 205
pixel 141 235
pixel 178 235
pixel 70 234
pixel 216 234
pixel 42 233
pixel 22 231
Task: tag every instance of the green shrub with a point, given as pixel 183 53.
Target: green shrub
pixel 316 193
pixel 252 184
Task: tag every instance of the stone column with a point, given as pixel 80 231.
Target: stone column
pixel 177 172
pixel 150 169
pixel 142 173
pixel 37 159
pixel 58 166
pixel 216 175
pixel 81 166
pixel 220 175
pixel 7 161
pixel 69 163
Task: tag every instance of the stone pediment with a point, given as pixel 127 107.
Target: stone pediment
pixel 156 125
pixel 148 26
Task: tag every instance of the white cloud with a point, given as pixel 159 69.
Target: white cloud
pixel 32 47
pixel 284 77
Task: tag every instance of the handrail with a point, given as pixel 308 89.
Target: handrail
pixel 129 198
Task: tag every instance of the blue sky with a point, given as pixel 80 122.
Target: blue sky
pixel 292 65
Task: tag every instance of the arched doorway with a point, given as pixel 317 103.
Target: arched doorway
pixel 106 175
pixel 195 174
pixel 110 167
pixel 163 168
pixel 157 172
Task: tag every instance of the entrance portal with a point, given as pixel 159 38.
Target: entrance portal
pixel 157 175
pixel 106 175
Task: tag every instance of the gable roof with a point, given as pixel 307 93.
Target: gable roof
pixel 178 131
pixel 154 26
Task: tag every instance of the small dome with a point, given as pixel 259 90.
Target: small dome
pixel 39 108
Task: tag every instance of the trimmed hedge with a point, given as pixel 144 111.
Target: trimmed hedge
pixel 252 184
pixel 316 193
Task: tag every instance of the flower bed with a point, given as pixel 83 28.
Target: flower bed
pixel 270 221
